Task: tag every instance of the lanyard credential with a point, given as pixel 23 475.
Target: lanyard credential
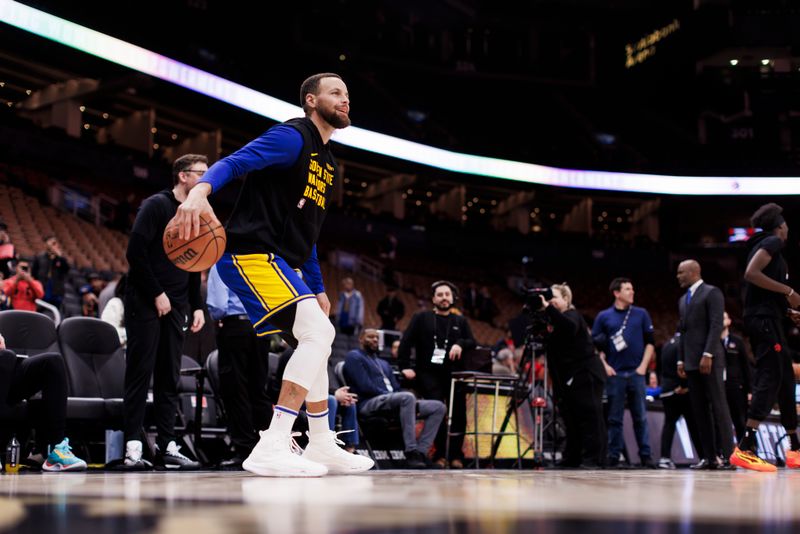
pixel 439 353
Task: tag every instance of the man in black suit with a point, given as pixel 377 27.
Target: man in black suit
pixel 703 363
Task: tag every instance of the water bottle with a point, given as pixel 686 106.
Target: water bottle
pixel 12 455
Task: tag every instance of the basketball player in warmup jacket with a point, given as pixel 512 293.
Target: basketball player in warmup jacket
pixel 271 264
pixel 158 300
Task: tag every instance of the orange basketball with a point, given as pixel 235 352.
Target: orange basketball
pixel 197 253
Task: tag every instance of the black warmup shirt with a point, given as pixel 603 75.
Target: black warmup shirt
pixel 281 211
pixel 151 273
pixel 759 301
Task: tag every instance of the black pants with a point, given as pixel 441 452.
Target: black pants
pixel 243 371
pixel 154 349
pixel 737 402
pixel 711 412
pixel 676 406
pixel 774 379
pixel 436 386
pixel 45 373
pixel 581 409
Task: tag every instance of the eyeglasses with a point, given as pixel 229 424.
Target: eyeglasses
pixel 198 172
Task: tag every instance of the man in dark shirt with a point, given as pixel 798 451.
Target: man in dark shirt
pixel 766 299
pixel 271 263
pixel 51 268
pixel 438 338
pixel 390 309
pixel 372 379
pixel 161 303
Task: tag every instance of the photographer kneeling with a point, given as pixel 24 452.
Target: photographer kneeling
pixel 578 380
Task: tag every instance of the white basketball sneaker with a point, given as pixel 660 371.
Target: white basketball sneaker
pixel 323 448
pixel 277 455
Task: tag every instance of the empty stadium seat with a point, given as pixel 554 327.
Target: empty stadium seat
pixel 28 333
pixel 95 363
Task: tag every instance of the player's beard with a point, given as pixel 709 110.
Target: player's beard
pixel 443 306
pixel 335 119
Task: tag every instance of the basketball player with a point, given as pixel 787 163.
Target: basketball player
pixel 271 263
pixel 766 299
pixel 158 300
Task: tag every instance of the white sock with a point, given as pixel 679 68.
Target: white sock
pixel 282 419
pixel 318 423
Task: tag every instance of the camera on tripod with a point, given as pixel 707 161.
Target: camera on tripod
pixel 533 301
pixel 537 330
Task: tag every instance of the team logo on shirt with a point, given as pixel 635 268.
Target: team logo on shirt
pixel 319 180
pixel 301 203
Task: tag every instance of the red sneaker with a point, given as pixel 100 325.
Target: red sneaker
pixel 748 460
pixel 793 459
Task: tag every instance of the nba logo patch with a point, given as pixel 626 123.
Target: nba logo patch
pixel 301 203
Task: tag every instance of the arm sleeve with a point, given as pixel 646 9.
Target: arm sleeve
pixel 467 341
pixel 404 351
pixel 143 232
pixel 312 274
pixel 278 147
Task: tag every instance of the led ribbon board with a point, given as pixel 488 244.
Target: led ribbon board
pixel 164 68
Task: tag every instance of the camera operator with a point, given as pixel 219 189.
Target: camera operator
pixel 439 337
pixel 578 379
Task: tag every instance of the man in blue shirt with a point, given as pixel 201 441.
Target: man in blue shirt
pixel 372 379
pixel 243 368
pixel 624 335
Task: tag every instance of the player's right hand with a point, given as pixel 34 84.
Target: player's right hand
pixel 188 217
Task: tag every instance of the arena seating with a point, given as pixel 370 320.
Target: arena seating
pixel 87 245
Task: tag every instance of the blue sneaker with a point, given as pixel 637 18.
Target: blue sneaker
pixel 62 459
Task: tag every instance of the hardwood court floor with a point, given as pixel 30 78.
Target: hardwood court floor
pixel 402 501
